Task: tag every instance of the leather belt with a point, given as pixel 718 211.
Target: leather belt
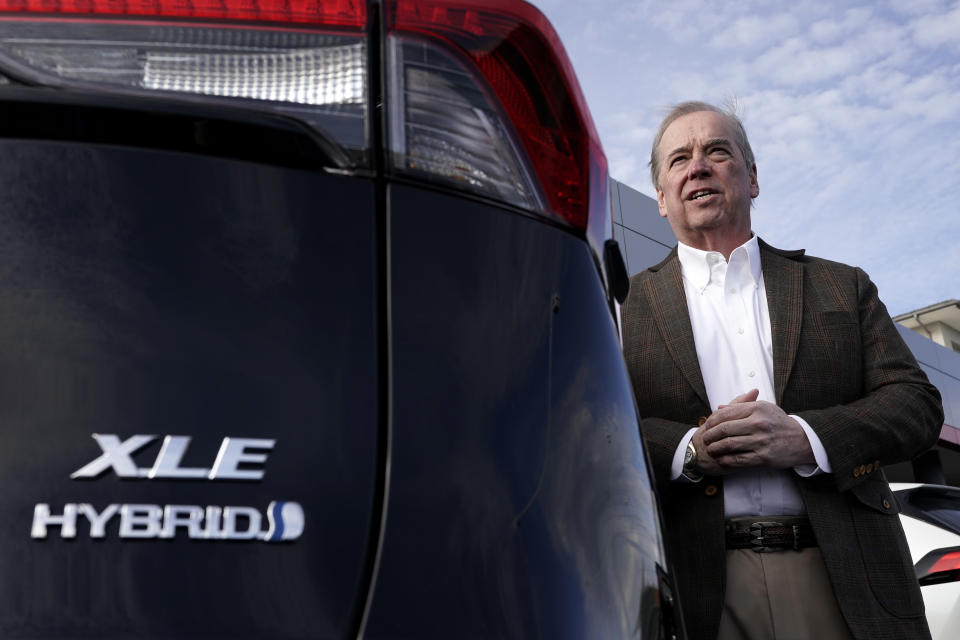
pixel 774 533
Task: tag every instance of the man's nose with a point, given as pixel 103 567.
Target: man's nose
pixel 698 166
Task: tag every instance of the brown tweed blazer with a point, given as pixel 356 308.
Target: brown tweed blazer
pixel 841 365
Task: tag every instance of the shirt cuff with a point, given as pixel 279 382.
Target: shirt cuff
pixel 676 467
pixel 819 453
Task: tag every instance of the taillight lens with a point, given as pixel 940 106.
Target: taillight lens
pixel 517 53
pixel 444 126
pixel 314 73
pixel 939 566
pixel 480 93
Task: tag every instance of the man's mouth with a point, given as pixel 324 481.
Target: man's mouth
pixel 700 194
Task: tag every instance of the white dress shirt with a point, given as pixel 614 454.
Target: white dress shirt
pixel 731 328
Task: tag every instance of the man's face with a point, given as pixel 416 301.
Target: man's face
pixel 705 185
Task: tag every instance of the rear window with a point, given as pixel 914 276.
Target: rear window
pixel 937 505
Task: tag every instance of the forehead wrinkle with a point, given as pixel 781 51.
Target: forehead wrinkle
pixel 718 140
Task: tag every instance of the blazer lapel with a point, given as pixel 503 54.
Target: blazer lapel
pixel 783 282
pixel 669 308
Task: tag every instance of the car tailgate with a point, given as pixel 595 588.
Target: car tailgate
pixel 189 394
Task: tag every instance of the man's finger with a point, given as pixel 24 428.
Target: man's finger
pixel 739 460
pixel 736 426
pixel 749 396
pixel 730 445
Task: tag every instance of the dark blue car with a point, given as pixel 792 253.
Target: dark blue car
pixel 307 329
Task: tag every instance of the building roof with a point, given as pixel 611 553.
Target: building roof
pixel 947 312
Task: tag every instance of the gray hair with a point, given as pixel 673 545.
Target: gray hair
pixel 684 108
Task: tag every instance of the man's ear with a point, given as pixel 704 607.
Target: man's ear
pixel 754 185
pixel 661 204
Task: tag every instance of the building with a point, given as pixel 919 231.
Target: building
pixel 932 333
pixel 939 322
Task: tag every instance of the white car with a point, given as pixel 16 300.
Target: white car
pixel 931 520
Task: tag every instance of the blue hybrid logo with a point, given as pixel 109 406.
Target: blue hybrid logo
pixel 286 521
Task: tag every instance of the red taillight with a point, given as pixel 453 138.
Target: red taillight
pixel 938 566
pixel 947 562
pixel 479 94
pixel 520 56
pixel 339 13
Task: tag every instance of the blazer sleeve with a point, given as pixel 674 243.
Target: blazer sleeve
pixel 668 404
pixel 884 409
pixel 662 438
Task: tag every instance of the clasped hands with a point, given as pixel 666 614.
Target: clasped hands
pixel 748 433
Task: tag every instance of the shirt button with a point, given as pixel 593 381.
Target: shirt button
pixel 733 290
pixel 740 330
pixel 752 373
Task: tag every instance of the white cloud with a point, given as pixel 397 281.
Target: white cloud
pixel 826 31
pixel 938 29
pixel 754 31
pixel 835 28
pixel 916 7
pixel 861 40
pixel 626 165
pixel 792 63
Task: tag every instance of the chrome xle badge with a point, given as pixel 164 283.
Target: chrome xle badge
pixel 237 459
pixel 233 452
pixel 284 521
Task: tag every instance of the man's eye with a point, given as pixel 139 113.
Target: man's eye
pixel 677 160
pixel 720 151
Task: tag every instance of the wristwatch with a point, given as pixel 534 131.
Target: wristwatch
pixel 689 470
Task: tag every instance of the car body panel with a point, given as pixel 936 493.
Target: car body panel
pixel 171 294
pixel 515 461
pixel 942 601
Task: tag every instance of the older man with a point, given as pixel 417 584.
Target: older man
pixel 773 388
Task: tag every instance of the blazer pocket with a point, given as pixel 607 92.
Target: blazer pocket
pixel 836 333
pixel 875 494
pixel 883 546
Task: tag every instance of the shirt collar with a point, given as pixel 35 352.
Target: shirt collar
pixel 696 265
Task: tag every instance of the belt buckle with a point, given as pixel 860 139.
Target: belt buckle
pixel 756 530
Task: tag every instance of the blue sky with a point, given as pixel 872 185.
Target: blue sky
pixel 853 112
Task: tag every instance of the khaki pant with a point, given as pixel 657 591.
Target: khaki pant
pixel 784 595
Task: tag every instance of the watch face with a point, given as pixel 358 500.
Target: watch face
pixel 690 464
